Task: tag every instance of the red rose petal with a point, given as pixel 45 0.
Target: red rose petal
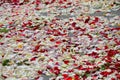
pixel 56 70
pixel 87 20
pixel 66 61
pixel 36 48
pixel 73 24
pixel 76 77
pixel 58 42
pixel 65 76
pixel 39 72
pixel 96 19
pixel 33 59
pixel 105 73
pixel 112 53
pixel 118 76
pixel 69 78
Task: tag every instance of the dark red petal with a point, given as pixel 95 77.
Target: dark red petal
pixel 36 48
pixel 96 19
pixel 58 42
pixel 56 70
pixel 113 79
pixel 94 54
pixel 65 76
pixel 112 53
pixel 66 61
pixel 106 47
pixel 73 24
pixel 93 22
pixel 39 72
pixel 47 3
pixel 4 76
pixel 105 73
pixel 87 20
pixel 80 67
pixel 117 65
pixel 76 77
pixel 33 59
pixel 118 76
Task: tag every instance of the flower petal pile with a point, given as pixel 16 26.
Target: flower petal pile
pixel 60 40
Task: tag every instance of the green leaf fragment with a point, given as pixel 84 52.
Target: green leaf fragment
pixel 97 33
pixel 23 62
pixel 30 26
pixel 87 74
pixel 5 62
pixel 5 30
pixel 103 67
pixel 19 63
pixel 117 3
